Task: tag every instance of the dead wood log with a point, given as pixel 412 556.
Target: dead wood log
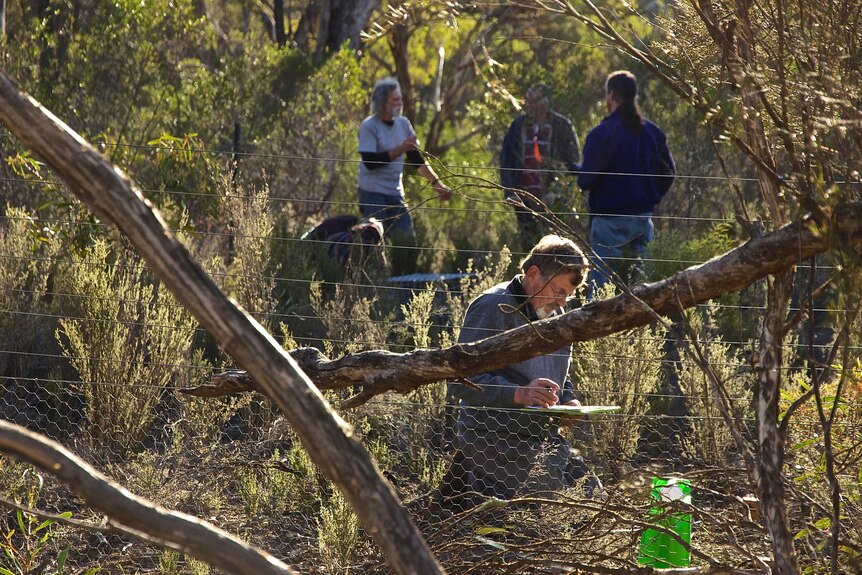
pixel 381 371
pixel 327 438
pixel 135 515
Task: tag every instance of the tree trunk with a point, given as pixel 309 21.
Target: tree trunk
pixel 770 470
pixel 327 438
pixel 302 37
pixel 278 21
pixel 399 39
pixel 333 22
pixel 343 20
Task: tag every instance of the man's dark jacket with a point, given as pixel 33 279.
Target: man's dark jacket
pixel 625 173
pixel 499 309
pixel 564 148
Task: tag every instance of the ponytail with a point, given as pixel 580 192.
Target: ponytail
pixel 624 85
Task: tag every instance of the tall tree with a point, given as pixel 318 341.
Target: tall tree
pixel 459 82
pixel 334 22
pixel 278 22
pixel 780 82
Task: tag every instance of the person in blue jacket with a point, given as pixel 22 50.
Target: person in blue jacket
pixel 627 170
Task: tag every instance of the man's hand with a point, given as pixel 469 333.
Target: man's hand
pixel 443 191
pixel 411 143
pixel 540 392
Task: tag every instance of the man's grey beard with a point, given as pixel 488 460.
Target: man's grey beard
pixel 543 313
pixel 396 112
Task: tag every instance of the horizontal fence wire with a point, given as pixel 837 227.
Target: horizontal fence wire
pixel 586 486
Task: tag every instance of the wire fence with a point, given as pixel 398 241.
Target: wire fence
pixel 95 355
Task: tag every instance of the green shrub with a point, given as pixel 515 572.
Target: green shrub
pixel 250 271
pixel 26 253
pixel 173 563
pixel 621 369
pixel 338 535
pixel 128 341
pixel 709 439
pixel 673 251
pixel 285 482
pixel 29 544
pixel 369 324
pixel 317 127
pixel 301 481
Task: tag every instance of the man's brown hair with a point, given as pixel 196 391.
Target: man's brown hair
pixel 555 255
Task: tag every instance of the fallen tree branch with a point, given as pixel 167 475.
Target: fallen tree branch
pixel 137 516
pixel 381 371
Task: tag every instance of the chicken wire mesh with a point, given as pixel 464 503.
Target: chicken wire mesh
pixel 573 495
pixel 583 500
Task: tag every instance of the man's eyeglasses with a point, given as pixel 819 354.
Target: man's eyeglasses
pixel 562 294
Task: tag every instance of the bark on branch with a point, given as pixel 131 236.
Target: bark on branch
pixel 381 371
pixel 327 438
pixel 137 516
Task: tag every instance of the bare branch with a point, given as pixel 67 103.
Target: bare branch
pixel 327 438
pixel 62 519
pixel 135 515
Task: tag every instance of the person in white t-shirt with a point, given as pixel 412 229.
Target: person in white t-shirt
pixel 386 138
